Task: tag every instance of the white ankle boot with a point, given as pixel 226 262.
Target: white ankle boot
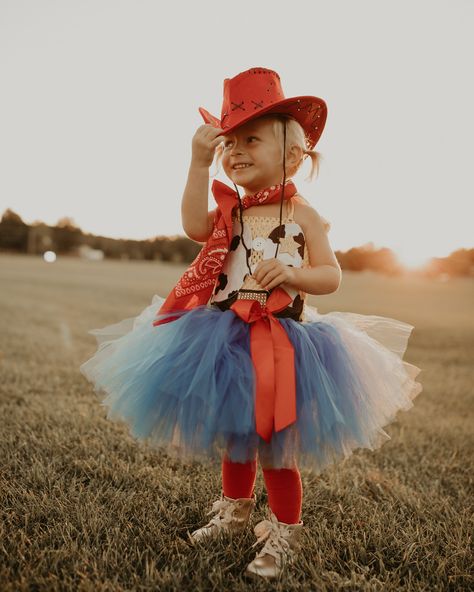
pixel 282 542
pixel 231 515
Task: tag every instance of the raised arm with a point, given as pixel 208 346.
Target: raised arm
pixel 197 221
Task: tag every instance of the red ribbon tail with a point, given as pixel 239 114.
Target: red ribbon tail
pixel 285 378
pixel 264 364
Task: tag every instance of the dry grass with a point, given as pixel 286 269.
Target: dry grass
pixel 85 507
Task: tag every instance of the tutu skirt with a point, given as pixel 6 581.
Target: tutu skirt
pixel 189 385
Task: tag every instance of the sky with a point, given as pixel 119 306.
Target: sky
pixel 99 103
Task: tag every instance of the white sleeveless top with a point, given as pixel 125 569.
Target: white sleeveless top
pixel 261 238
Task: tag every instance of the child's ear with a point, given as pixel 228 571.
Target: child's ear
pixel 295 155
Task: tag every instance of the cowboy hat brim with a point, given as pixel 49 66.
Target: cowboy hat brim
pixel 309 111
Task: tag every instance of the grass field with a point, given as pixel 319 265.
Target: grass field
pixel 85 507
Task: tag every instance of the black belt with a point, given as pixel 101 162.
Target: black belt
pixel 290 312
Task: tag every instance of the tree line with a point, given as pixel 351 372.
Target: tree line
pixel 65 238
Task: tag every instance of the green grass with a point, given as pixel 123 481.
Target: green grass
pixel 86 507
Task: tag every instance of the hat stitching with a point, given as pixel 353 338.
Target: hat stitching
pixel 238 105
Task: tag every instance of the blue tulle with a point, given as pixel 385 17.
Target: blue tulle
pixel 189 385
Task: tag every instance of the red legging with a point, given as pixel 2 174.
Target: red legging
pixel 284 487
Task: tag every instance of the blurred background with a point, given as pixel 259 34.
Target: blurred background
pixel 100 101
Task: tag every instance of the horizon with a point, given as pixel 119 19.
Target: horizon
pixel 50 255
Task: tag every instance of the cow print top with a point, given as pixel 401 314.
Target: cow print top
pixel 261 237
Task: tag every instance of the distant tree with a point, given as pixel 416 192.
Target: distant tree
pixel 38 223
pixel 67 222
pixel 384 261
pixel 353 260
pixel 11 217
pixel 456 264
pixel 460 262
pixel 13 231
pixel 67 235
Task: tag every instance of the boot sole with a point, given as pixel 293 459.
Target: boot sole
pixel 209 537
pixel 254 575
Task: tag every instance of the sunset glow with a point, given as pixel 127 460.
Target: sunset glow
pixel 413 259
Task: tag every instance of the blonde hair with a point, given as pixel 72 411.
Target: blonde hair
pixel 295 136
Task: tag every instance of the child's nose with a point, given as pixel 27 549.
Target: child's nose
pixel 236 149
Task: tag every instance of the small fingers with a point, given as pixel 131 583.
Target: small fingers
pixel 217 141
pixel 279 279
pixel 209 131
pixel 214 131
pixel 269 277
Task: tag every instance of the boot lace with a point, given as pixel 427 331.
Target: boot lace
pixel 223 510
pixel 276 544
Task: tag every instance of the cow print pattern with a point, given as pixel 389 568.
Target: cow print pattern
pixel 235 270
pixel 221 282
pixel 234 243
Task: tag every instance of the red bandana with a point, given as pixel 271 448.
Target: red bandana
pixel 196 285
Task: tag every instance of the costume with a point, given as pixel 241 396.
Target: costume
pixel 190 384
pixel 220 365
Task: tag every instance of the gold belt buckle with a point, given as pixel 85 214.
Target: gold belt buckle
pixel 260 295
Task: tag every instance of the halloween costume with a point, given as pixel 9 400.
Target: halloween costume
pixel 221 368
pixel 220 365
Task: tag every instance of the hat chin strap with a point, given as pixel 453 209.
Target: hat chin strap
pixel 283 184
pixel 281 205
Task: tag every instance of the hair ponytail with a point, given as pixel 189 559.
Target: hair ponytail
pixel 315 160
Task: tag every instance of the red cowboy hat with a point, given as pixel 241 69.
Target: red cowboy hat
pixel 258 91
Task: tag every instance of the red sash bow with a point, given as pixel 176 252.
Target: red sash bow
pixel 273 357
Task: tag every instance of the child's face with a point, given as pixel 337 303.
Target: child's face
pixel 253 143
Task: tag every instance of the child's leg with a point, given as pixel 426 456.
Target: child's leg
pixel 285 493
pixel 238 479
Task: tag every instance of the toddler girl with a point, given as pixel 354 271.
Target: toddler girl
pixel 234 363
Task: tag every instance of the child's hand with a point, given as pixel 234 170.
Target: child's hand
pixel 205 141
pixel 272 272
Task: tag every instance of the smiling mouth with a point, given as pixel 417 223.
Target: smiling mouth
pixel 240 167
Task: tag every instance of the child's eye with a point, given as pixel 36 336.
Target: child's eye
pixel 226 144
